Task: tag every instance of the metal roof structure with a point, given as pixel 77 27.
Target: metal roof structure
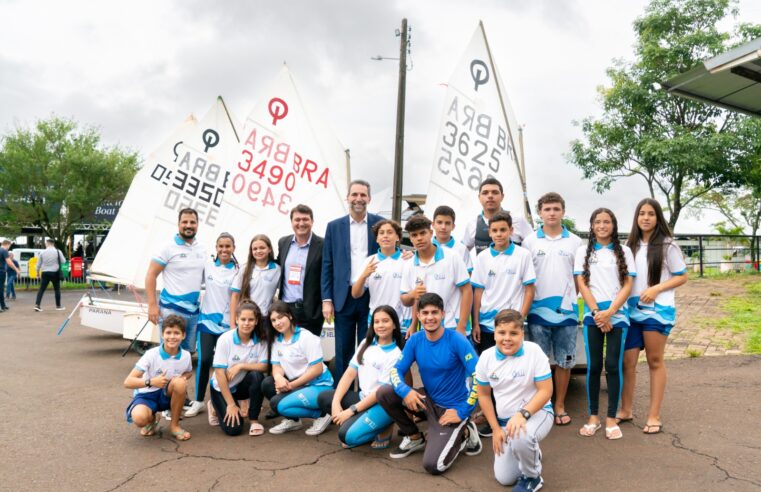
pixel 731 80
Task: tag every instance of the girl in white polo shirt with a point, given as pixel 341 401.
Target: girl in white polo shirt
pixel 660 270
pixel 298 374
pixel 382 273
pixel 604 271
pixel 258 279
pixel 240 360
pixel 518 372
pixel 359 414
pixel 215 314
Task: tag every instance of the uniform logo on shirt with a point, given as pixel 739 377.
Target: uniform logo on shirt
pixel 377 276
pixel 493 376
pixel 160 372
pixel 492 273
pixel 378 366
pixel 439 276
pixel 563 253
pixel 396 275
pixel 467 357
pixel 183 255
pixel 540 252
pixel 236 358
pixel 519 374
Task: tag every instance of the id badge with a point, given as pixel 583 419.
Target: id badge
pixel 294 275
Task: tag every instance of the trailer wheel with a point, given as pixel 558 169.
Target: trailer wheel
pixel 141 347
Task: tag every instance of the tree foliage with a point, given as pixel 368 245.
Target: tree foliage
pixel 55 175
pixel 681 148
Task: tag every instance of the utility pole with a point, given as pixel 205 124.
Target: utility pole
pixel 396 210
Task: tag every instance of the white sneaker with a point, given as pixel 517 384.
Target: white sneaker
pixel 38 309
pixel 60 308
pixel 194 409
pixel 167 414
pixel 472 443
pixel 407 447
pixel 319 425
pixel 286 425
pixel 213 419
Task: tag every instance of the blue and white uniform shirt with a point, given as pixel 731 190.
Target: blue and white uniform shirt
pixel 459 249
pixel 156 362
pixel 295 356
pixel 231 351
pixel 182 276
pixel 384 285
pixel 444 275
pixel 377 362
pixel 662 312
pixel 215 307
pixel 555 299
pixel 503 277
pixel 262 286
pixel 513 378
pixel 603 280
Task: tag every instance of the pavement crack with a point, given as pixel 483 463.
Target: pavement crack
pixel 134 475
pixel 676 442
pixel 216 482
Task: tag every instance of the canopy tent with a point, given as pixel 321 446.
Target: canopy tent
pixel 731 80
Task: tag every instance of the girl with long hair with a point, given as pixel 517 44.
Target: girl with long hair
pixel 240 361
pixel 214 319
pixel 604 271
pixel 661 269
pixel 298 374
pixel 259 277
pixel 360 416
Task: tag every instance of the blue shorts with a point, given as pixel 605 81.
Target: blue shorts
pixel 557 342
pixel 635 338
pixel 157 401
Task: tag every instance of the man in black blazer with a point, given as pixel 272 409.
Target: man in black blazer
pixel 348 242
pixel 300 259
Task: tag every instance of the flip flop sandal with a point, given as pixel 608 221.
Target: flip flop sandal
pixel 181 435
pixel 613 433
pixel 150 429
pixel 647 428
pixel 559 419
pixel 379 444
pixel 589 430
pixel 256 429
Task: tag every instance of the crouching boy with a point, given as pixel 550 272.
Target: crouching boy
pixel 519 374
pixel 160 380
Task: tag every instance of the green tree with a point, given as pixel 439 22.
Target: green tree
pixel 682 149
pixel 54 176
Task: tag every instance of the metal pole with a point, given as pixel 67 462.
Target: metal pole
pixel 526 207
pixel 396 211
pixel 700 253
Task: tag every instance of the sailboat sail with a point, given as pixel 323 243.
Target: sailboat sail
pixel 287 156
pixel 190 169
pixel 477 137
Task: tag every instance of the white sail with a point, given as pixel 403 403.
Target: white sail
pixel 477 137
pixel 190 169
pixel 287 157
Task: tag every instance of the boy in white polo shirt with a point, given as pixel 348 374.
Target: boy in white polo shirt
pixel 553 319
pixel 503 278
pixel 160 381
pixel 443 225
pixel 519 374
pixel 435 269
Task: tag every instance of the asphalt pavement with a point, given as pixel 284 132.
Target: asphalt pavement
pixel 62 425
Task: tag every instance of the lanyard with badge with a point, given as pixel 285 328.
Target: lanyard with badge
pixel 294 274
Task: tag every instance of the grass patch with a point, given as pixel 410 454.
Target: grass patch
pixel 744 317
pixel 693 353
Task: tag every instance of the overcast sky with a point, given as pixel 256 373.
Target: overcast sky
pixel 137 69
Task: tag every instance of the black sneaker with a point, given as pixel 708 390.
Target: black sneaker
pixel 485 431
pixel 38 308
pixel 473 444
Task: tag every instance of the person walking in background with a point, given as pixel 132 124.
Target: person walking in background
pixel 10 291
pixel 5 265
pixel 49 271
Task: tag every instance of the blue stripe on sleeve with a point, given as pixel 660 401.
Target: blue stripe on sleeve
pixel 542 378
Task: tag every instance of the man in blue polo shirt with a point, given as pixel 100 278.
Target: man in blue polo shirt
pixel 445 359
pixel 181 264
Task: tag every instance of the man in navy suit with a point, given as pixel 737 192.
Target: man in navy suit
pixel 348 242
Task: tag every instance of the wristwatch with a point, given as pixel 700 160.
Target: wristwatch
pixel 594 312
pixel 147 382
pixel 526 414
pixel 353 409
